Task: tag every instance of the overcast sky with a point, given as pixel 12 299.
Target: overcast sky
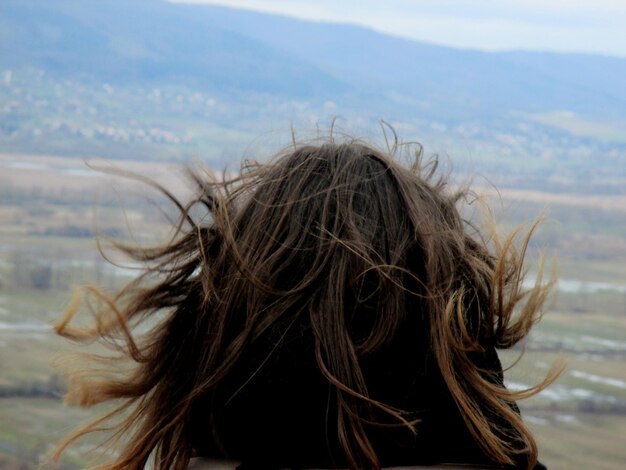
pixel 597 26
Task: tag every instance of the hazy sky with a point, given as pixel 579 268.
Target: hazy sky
pixel 597 26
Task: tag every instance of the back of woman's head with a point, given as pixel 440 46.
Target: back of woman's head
pixel 332 254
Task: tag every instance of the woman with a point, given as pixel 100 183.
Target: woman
pixel 330 309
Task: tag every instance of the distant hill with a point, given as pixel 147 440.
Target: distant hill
pixel 218 48
pixel 144 41
pixel 529 81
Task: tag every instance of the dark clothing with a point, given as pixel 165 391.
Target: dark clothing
pixel 278 411
pixel 208 464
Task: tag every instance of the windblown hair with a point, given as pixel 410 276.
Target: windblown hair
pixel 341 241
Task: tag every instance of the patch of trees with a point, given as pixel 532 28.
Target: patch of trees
pixel 53 388
pixel 77 231
pixel 36 196
pixel 27 270
pixel 591 405
pixel 49 270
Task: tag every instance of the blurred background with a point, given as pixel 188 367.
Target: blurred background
pixel 527 98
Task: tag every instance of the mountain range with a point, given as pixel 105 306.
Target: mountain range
pixel 233 51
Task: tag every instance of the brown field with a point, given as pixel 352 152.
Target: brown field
pixel 52 172
pixel 609 202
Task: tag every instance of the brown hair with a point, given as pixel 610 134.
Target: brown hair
pixel 338 236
